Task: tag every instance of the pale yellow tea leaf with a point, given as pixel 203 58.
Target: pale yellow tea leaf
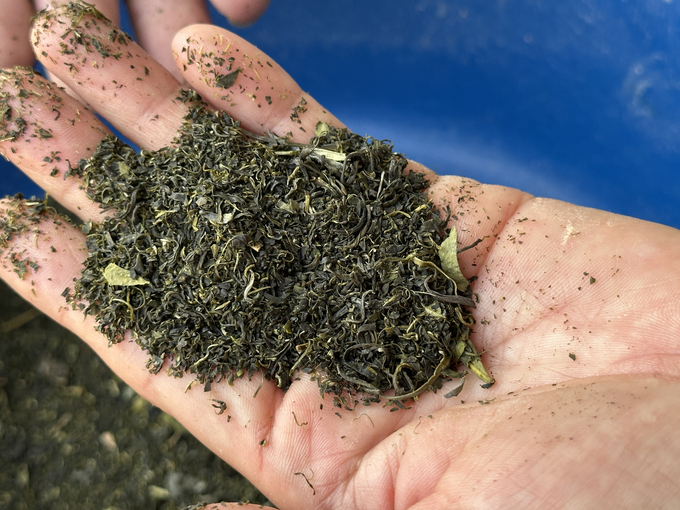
pixel 116 275
pixel 448 254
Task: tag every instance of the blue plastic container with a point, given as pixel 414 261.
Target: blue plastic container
pixel 575 100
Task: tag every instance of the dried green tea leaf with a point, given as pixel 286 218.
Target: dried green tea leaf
pixel 478 369
pixel 448 254
pixel 116 275
pixel 321 129
pixel 225 81
pixel 328 154
pixel 332 155
pixel 455 391
pixel 434 312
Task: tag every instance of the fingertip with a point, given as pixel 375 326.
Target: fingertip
pixel 178 46
pixel 179 40
pixel 241 13
pixel 39 23
pixel 71 13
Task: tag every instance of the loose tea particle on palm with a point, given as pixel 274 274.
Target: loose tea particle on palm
pixel 231 253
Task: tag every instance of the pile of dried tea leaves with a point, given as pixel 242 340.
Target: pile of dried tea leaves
pixel 232 253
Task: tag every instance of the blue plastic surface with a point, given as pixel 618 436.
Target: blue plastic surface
pixel 575 100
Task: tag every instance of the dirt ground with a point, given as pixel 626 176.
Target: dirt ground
pixel 73 435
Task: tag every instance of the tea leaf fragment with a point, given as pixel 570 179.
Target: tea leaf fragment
pixel 116 275
pixel 226 81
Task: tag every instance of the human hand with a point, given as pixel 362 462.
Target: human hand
pixel 155 23
pixel 600 429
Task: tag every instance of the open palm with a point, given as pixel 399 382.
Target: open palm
pixel 579 314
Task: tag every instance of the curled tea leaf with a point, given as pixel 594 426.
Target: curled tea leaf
pixel 321 129
pixel 478 369
pixel 448 254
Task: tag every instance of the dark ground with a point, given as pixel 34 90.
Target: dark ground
pixel 73 435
